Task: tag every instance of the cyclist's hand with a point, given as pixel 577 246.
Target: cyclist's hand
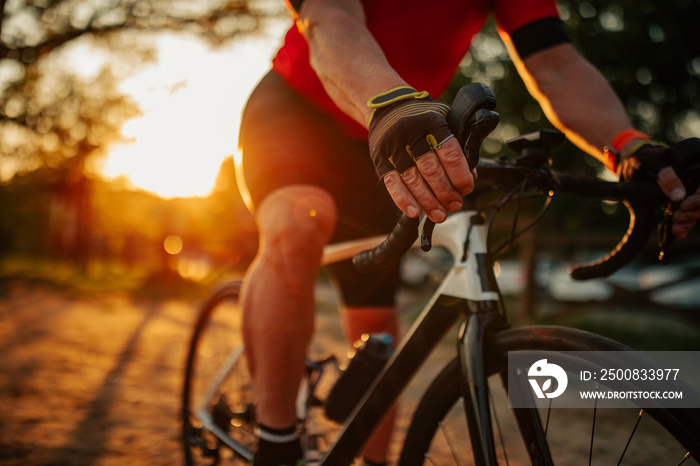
pixel 688 212
pixel 653 162
pixel 415 154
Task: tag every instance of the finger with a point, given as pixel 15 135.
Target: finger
pixel 670 184
pixel 680 230
pixel 401 195
pixel 434 174
pixel 421 191
pixel 691 203
pixel 455 165
pixel 686 216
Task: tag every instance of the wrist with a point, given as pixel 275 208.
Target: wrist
pixel 362 95
pixel 631 147
pixel 625 143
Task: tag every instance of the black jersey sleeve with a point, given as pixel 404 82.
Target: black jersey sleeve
pixel 539 35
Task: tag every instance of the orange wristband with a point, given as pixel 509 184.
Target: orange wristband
pixel 612 152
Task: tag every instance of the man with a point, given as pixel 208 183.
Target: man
pixel 349 67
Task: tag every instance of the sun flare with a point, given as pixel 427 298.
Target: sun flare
pixel 191 101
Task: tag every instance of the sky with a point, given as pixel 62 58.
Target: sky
pixel 191 100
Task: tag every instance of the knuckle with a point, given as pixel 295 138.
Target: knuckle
pixel 686 216
pixel 397 189
pixel 446 193
pixel 679 218
pixel 452 157
pixel 690 204
pixel 401 200
pixel 392 181
pixel 429 165
pixel 412 177
pixel 465 184
pixel 458 170
pixel 426 199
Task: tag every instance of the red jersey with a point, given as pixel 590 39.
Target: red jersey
pixel 424 51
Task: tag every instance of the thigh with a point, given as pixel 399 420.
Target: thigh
pixel 287 141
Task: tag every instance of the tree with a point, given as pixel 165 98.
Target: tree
pixel 648 50
pixel 52 118
pixel 49 115
pixel 650 53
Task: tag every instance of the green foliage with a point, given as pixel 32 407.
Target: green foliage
pixel 635 326
pixel 56 121
pixel 650 53
pixel 49 113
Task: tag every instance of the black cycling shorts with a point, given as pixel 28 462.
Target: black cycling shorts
pixel 285 141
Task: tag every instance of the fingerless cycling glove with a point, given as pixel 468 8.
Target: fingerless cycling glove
pixel 644 162
pixel 405 125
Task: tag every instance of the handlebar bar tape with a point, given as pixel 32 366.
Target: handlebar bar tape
pixel 399 241
pixel 639 200
pixel 640 227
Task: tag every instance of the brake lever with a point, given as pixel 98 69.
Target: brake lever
pixel 471 126
pixel 685 163
pixel 425 232
pixel 485 122
pixel 664 231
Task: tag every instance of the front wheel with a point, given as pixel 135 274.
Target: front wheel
pixel 438 433
pixel 218 416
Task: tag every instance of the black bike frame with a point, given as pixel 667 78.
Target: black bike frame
pixel 469 293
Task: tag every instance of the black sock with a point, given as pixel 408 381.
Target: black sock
pixel 278 447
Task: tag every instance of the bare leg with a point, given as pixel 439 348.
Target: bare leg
pixel 359 320
pixel 295 223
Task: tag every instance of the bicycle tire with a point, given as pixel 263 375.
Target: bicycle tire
pixel 444 394
pixel 229 407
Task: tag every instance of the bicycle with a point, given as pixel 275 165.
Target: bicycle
pixel 218 411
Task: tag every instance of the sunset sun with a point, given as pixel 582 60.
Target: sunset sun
pixel 191 102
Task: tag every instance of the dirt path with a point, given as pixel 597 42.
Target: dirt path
pixel 96 381
pixel 89 381
pixel 92 381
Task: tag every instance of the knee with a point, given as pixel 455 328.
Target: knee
pixel 297 221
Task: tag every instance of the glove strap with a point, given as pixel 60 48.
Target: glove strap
pixel 395 95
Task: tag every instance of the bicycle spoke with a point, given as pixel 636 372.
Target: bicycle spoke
pixel 629 440
pixel 617 436
pixel 687 455
pixel 498 428
pixel 595 411
pixel 450 444
pixel 549 414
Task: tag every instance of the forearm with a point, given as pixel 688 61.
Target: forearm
pixel 347 59
pixel 575 97
pixel 578 100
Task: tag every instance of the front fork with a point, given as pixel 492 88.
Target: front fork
pixel 475 390
pixel 486 317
